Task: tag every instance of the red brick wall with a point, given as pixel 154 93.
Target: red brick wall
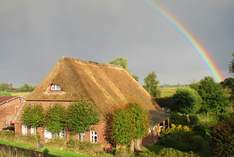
pixel 99 128
pixel 9 110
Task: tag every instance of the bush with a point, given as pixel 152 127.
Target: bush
pixel 166 152
pixel 186 100
pixel 223 138
pixel 202 130
pixel 185 141
pixel 189 120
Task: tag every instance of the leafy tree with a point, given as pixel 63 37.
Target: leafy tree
pixel 122 62
pixel 139 120
pixel 130 124
pixel 33 116
pixel 151 84
pixel 186 100
pixel 228 84
pixel 26 88
pixel 213 97
pixel 55 119
pixel 81 115
pixel 232 64
pixel 122 127
pixel 6 87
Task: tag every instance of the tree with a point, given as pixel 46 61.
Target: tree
pixel 232 64
pixel 6 87
pixel 213 97
pixel 81 115
pixel 33 116
pixel 139 122
pixel 186 100
pixel 151 84
pixel 55 119
pixel 122 62
pixel 26 88
pixel 122 127
pixel 228 84
pixel 130 125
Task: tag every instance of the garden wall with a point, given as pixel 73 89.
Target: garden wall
pixel 10 151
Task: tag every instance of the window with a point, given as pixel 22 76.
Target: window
pixel 62 134
pixel 93 137
pixel 24 130
pixel 33 131
pixel 81 137
pixel 47 134
pixel 55 87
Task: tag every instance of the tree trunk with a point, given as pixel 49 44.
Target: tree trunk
pixel 132 146
pixel 138 143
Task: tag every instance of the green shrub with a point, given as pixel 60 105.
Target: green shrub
pixel 182 119
pixel 166 152
pixel 185 141
pixel 186 100
pixel 202 130
pixel 45 151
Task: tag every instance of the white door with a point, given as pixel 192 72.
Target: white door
pixel 24 130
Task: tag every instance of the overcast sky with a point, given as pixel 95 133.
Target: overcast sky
pixel 34 34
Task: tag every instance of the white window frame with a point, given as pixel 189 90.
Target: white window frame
pixel 33 131
pixel 93 136
pixel 81 137
pixel 47 134
pixel 24 130
pixel 55 87
pixel 62 134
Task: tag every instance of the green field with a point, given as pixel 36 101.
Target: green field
pixel 23 94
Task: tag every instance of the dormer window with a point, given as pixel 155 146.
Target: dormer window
pixel 55 87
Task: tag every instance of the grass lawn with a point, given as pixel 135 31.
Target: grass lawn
pixel 58 150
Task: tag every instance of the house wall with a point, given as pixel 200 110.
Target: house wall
pixel 99 128
pixel 9 111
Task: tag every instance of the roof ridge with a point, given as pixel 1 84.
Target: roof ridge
pixel 90 62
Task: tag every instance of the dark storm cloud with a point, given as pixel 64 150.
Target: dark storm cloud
pixel 35 34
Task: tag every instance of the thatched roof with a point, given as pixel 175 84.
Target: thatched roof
pixel 109 86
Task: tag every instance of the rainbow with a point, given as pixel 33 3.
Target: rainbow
pixel 191 38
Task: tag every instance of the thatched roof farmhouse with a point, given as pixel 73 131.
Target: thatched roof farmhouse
pixel 110 87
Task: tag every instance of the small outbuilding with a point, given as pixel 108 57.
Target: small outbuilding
pixel 10 107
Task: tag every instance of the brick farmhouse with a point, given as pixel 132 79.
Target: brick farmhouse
pixel 108 86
